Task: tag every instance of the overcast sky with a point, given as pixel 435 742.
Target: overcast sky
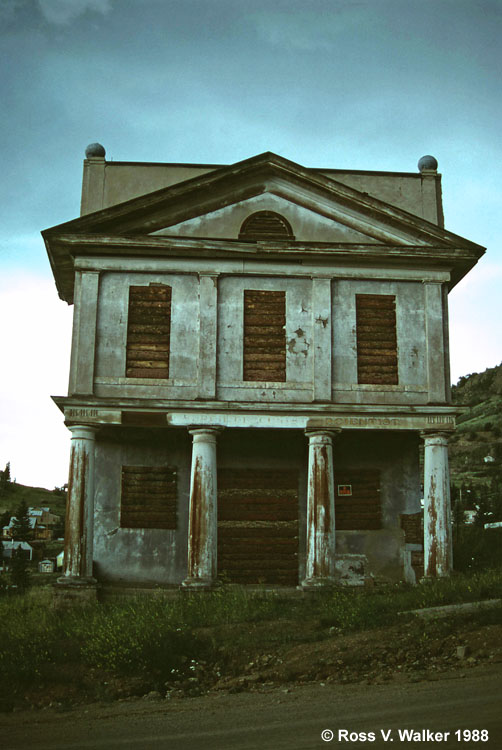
pixel 356 84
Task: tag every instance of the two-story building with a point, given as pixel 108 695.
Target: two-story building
pixel 258 351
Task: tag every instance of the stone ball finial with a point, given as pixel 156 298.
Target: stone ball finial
pixel 427 163
pixel 95 150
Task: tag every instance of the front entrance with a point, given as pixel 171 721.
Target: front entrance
pixel 258 526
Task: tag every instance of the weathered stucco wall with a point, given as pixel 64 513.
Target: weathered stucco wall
pixel 321 350
pixel 411 344
pixel 160 556
pixel 139 555
pixel 112 336
pixel 299 363
pixel 396 457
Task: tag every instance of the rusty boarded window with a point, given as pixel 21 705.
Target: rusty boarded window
pixel 258 525
pixel 148 332
pixel 413 527
pixel 148 497
pixel 362 510
pixel 264 335
pixel 376 339
pixel 266 225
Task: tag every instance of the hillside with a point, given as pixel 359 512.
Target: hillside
pixel 476 447
pixel 34 497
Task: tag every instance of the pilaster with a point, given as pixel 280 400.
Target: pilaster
pixel 321 311
pixel 208 317
pixel 435 343
pixel 93 185
pixel 84 333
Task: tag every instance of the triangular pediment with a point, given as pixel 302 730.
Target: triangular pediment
pixel 324 216
pixel 307 225
pixel 350 210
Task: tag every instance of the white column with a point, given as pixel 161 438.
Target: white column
pixel 80 507
pixel 320 563
pixel 203 511
pixel 438 555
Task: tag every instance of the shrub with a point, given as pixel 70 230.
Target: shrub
pixel 476 548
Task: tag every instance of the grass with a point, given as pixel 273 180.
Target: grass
pixel 160 640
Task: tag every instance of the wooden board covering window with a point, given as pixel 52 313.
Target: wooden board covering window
pixel 362 510
pixel 266 225
pixel 258 525
pixel 148 332
pixel 148 497
pixel 376 339
pixel 264 335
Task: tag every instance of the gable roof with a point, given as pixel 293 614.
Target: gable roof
pixel 266 173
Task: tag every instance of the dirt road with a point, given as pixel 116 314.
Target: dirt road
pixel 278 719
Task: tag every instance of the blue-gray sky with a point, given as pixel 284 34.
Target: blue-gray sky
pixel 356 84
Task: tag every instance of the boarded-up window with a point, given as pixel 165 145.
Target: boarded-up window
pixel 376 339
pixel 413 527
pixel 264 335
pixel 258 525
pixel 148 497
pixel 266 225
pixel 362 509
pixel 148 332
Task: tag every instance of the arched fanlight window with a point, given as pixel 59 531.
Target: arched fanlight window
pixel 266 225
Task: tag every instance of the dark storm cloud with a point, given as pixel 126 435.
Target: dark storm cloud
pixel 371 84
pixel 349 84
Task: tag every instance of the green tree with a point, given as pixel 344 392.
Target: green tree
pixel 21 529
pixel 19 573
pixel 5 480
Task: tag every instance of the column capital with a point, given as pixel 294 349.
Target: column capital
pixel 83 431
pixel 316 434
pixel 203 433
pixel 435 437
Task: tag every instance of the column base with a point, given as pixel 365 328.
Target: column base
pixel 199 584
pixel 316 584
pixel 76 581
pixel 69 591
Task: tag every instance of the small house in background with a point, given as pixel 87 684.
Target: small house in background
pixel 7 531
pixel 42 523
pixel 258 350
pixel 46 566
pixel 45 521
pixel 470 516
pixel 10 548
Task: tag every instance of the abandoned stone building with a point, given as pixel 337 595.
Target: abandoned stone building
pixel 259 350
